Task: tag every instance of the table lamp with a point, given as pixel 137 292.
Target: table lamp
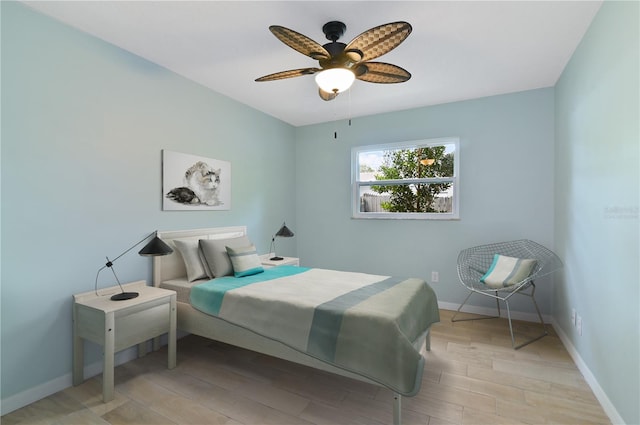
pixel 154 248
pixel 284 232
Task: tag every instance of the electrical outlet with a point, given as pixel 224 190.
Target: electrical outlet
pixel 435 277
pixel 573 317
pixel 579 324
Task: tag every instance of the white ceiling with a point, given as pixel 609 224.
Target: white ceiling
pixel 457 50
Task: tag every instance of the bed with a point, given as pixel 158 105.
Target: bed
pixel 302 327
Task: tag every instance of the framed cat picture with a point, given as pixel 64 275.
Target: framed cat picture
pixel 195 183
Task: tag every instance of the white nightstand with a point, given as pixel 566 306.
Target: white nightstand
pixel 289 261
pixel 117 325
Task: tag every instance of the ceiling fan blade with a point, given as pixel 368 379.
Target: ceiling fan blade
pixel 325 95
pixel 299 42
pixel 379 40
pixel 383 73
pixel 288 74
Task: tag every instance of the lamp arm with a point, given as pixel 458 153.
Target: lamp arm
pixel 110 262
pixel 272 247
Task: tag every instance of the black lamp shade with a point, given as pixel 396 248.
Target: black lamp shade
pixel 284 232
pixel 155 248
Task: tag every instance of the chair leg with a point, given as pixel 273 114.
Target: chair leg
pixel 506 301
pixel 461 305
pixel 544 327
pixel 513 339
pixel 453 319
pixel 535 304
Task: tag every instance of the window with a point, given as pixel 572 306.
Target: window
pixel 409 180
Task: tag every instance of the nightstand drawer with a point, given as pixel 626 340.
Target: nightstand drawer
pixel 131 325
pixel 142 325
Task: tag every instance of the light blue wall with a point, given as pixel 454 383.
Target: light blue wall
pixel 84 123
pixel 83 126
pixel 597 188
pixel 506 190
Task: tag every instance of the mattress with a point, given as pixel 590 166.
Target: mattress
pixel 182 288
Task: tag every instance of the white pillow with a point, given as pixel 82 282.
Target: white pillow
pixel 245 261
pixel 215 254
pixel 192 258
pixel 506 271
pixel 215 236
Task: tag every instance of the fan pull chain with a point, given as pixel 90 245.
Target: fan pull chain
pixel 349 107
pixel 335 133
pixel 334 106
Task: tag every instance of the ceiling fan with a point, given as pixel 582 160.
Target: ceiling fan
pixel 341 63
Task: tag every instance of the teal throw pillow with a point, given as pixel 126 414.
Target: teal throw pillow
pixel 245 261
pixel 507 271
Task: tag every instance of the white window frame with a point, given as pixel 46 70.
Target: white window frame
pixel 356 184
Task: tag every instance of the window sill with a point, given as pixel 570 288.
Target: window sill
pixel 399 216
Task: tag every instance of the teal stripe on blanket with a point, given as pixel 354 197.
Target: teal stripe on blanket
pixel 208 296
pixel 327 317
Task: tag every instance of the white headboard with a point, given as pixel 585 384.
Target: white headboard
pixel 171 266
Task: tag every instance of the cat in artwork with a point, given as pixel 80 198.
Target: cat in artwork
pixel 201 186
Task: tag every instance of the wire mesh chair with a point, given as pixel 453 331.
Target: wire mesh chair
pixel 474 262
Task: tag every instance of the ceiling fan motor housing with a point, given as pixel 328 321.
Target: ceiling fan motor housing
pixel 338 57
pixel 334 30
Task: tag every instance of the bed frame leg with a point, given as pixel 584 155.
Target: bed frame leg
pixel 397 409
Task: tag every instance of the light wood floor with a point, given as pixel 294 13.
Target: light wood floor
pixel 472 376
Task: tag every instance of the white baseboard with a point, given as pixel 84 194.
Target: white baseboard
pixel 486 311
pixel 41 391
pixel 607 405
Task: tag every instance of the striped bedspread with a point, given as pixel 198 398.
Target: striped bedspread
pixel 358 322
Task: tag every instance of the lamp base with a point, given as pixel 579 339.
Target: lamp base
pixel 124 296
pixel 276 258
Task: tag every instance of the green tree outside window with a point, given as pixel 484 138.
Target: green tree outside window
pixel 411 164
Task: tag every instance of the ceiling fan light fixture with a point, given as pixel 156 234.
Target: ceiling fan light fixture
pixel 335 80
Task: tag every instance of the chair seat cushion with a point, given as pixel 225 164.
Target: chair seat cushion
pixel 507 271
